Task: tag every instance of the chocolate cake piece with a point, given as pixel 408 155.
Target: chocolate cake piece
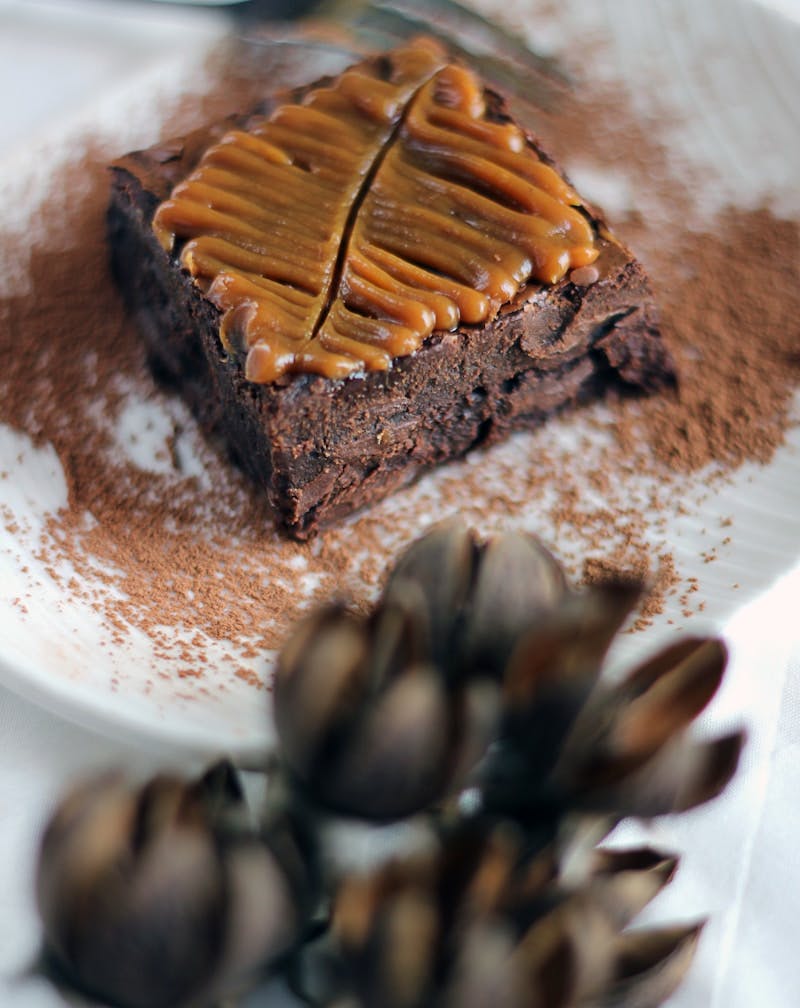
pixel 338 375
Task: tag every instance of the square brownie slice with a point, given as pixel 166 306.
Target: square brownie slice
pixel 371 276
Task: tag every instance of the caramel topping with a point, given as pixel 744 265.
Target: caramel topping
pixel 339 233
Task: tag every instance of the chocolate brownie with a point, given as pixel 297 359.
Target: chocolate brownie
pixel 332 419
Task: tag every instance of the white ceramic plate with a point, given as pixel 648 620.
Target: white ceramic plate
pixel 728 70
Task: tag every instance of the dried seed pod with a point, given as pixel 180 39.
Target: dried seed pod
pixel 149 897
pixel 571 740
pixel 626 881
pixel 478 599
pixel 563 656
pixel 441 564
pixel 629 748
pixel 624 726
pixel 517 584
pixel 367 727
pixel 131 913
pixel 379 717
pixel 396 759
pixel 385 924
pixel 476 923
pixel 481 973
pixel 320 678
pixel 650 965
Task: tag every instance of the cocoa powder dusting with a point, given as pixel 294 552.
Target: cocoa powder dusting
pixel 180 549
pixel 731 320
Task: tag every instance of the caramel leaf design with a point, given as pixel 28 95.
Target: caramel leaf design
pixel 341 231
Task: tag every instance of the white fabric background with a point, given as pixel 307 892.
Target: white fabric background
pixel 741 861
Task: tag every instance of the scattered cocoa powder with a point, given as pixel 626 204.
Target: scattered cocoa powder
pixel 183 550
pixel 730 317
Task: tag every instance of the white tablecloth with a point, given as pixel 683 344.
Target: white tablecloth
pixel 741 863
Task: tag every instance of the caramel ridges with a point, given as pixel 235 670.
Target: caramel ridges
pixel 338 233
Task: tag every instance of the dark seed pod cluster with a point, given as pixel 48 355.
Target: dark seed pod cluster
pixel 479 924
pixel 164 895
pixel 471 700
